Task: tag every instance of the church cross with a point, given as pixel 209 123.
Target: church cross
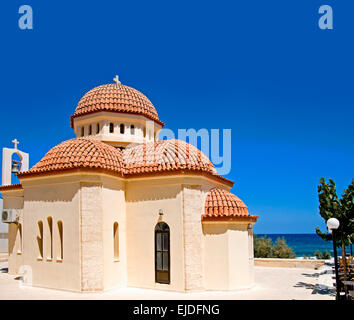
pixel 15 142
pixel 116 80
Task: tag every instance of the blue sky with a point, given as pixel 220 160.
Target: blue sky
pixel 262 68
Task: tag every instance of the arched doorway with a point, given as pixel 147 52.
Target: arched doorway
pixel 162 253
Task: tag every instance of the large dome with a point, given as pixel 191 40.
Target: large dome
pixel 152 158
pixel 166 155
pixel 77 154
pixel 115 97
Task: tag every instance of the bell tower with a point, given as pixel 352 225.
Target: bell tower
pixel 10 166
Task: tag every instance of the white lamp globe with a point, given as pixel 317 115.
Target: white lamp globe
pixel 332 224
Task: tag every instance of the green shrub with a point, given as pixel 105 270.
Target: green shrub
pixel 326 255
pixel 281 250
pixel 263 248
pixel 322 255
pixel 318 254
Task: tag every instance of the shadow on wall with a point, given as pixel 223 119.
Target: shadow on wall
pixel 52 193
pixel 215 229
pixel 152 193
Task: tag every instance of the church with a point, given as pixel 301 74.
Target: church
pixel 115 207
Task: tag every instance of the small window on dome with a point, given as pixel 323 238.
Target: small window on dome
pixel 90 130
pixel 97 128
pixel 121 127
pixel 144 130
pixel 111 127
pixel 132 129
pixel 82 131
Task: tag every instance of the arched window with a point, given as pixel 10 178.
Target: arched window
pixel 121 128
pixel 40 239
pixel 49 239
pixel 162 253
pixel 82 131
pixel 60 247
pixel 90 129
pixel 132 129
pixel 111 127
pixel 97 128
pixel 116 240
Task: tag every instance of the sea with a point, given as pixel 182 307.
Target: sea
pixel 305 244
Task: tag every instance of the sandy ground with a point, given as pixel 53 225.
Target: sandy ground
pixel 271 284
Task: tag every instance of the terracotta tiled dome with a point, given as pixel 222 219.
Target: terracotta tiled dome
pixel 222 203
pixel 166 155
pixel 149 158
pixel 116 98
pixel 80 153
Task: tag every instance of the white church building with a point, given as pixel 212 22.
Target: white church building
pixel 115 207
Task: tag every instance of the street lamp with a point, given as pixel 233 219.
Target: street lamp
pixel 333 225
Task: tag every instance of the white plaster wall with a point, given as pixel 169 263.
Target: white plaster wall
pixel 116 138
pixel 203 256
pixel 4 230
pixel 216 256
pixel 14 200
pixel 228 265
pixel 240 270
pixel 113 193
pixel 61 201
pixel 87 205
pixel 143 202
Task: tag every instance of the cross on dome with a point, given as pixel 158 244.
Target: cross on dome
pixel 116 80
pixel 15 142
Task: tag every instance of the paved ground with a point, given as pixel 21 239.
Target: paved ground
pixel 271 283
pixel 3 257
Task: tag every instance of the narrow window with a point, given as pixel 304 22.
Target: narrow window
pixel 97 128
pixel 19 230
pixel 121 127
pixel 116 240
pixel 111 127
pixel 90 130
pixel 162 253
pixel 40 239
pixel 60 232
pixel 82 131
pixel 132 129
pixel 49 239
pixel 144 130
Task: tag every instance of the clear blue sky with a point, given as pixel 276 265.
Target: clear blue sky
pixel 262 68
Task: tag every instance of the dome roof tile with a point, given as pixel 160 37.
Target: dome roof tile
pixel 116 98
pixel 220 203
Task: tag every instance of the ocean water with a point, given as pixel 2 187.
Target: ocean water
pixel 305 244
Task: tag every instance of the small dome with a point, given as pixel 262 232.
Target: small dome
pixel 116 98
pixel 79 153
pixel 166 155
pixel 222 203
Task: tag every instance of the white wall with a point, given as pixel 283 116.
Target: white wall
pixel 3 232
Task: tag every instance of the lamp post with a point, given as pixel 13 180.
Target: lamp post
pixel 333 225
